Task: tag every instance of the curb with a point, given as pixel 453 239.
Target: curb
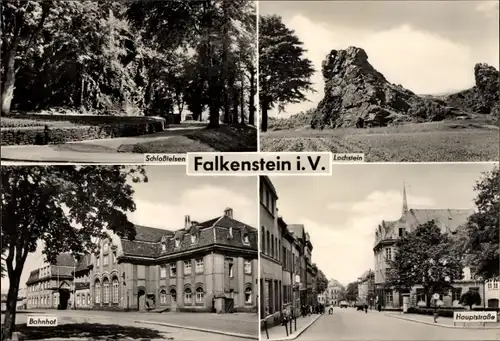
pixel 212 331
pixel 442 325
pixel 298 333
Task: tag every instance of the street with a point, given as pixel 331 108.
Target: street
pixel 349 324
pixel 244 324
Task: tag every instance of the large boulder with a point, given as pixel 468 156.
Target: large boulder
pixel 483 98
pixel 358 95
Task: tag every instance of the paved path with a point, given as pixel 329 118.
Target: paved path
pixel 350 324
pixel 239 323
pixel 90 151
pixel 160 332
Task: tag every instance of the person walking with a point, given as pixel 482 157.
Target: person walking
pixel 366 308
pixel 379 307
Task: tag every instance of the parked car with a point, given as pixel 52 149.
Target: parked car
pixel 343 304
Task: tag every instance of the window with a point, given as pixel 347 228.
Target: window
pixel 231 270
pixel 246 240
pixel 105 260
pixel 77 300
pixel 89 300
pixel 200 295
pixel 231 232
pixel 401 232
pixel 495 285
pixel 177 242
pixel 163 297
pixel 490 285
pixel 115 290
pixel 268 242
pixel 193 239
pixel 456 293
pixel 388 254
pixel 272 245
pixel 187 267
pixel 105 248
pixel 163 271
pixel 163 247
pixel 114 257
pixel 173 294
pixel 248 295
pixel 388 297
pixel 248 267
pixel 105 284
pixel 98 261
pixel 97 292
pixel 173 270
pixel 262 240
pixel 199 265
pixel 188 296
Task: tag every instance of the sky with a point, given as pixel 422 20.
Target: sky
pixel 429 47
pixel 170 194
pixel 341 212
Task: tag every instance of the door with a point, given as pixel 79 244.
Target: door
pixel 229 305
pixel 493 303
pixel 141 300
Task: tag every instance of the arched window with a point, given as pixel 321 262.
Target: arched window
pixel 97 292
pixel 200 295
pixel 105 248
pixel 173 294
pixel 188 296
pixel 105 284
pixel 163 297
pixel 115 290
pixel 248 295
pixel 163 247
pixel 89 300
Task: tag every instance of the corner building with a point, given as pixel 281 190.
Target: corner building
pixel 208 267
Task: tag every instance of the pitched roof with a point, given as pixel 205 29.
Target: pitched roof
pixel 34 275
pixel 65 259
pixel 149 245
pixel 83 264
pixel 297 230
pixel 447 219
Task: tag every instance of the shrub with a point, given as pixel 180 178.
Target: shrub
pixel 443 312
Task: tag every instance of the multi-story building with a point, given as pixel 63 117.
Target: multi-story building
pixel 207 266
pixel 386 237
pixel 271 274
pixel 366 288
pixel 333 292
pixel 299 233
pixel 287 265
pixel 492 292
pixel 51 286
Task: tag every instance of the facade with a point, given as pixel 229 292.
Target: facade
pixel 492 293
pixel 366 288
pixel 333 292
pixel 386 237
pixel 209 266
pixel 51 286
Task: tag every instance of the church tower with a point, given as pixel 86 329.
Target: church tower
pixel 405 202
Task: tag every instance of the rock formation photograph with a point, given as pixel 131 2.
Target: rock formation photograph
pixel 397 81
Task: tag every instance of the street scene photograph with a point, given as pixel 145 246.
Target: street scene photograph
pixel 399 81
pixel 107 81
pixel 128 253
pixel 381 252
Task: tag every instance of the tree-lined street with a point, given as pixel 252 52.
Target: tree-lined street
pixel 350 324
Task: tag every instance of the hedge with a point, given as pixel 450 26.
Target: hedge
pixel 93 119
pixel 444 312
pixel 56 135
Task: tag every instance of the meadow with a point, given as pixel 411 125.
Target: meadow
pixel 445 141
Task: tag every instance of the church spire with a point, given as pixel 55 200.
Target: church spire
pixel 405 202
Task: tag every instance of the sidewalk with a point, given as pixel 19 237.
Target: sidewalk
pixel 279 333
pixel 445 322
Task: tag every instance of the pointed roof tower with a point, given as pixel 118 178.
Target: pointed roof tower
pixel 405 202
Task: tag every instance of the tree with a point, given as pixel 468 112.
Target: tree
pixel 425 256
pixel 482 229
pixel 321 282
pixel 284 73
pixel 65 208
pixel 470 298
pixel 351 293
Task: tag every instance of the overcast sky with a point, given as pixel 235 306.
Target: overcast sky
pixel 341 212
pixel 170 195
pixel 430 47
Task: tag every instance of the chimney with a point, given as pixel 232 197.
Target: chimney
pixel 228 212
pixel 187 222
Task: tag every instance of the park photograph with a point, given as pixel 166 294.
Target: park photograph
pixel 94 81
pixel 400 81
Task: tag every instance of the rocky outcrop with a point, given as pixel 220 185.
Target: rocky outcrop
pixel 483 98
pixel 358 95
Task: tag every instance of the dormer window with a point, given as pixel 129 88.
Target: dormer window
pixel 177 242
pixel 231 232
pixel 163 247
pixel 246 240
pixel 194 239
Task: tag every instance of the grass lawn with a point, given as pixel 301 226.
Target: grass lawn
pixel 91 331
pixel 224 139
pixel 446 141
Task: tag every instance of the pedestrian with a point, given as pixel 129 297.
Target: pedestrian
pixel 435 314
pixel 379 307
pixel 366 308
